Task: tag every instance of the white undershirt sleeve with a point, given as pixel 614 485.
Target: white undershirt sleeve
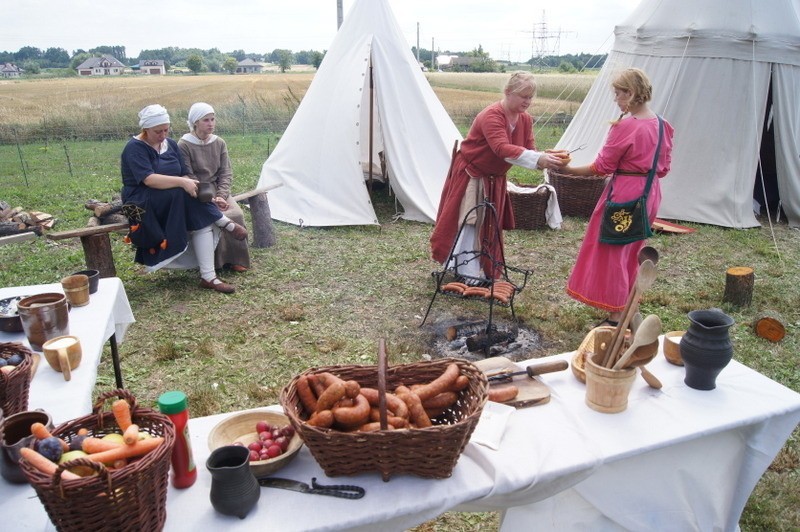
pixel 528 159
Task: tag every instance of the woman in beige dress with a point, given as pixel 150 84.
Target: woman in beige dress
pixel 206 158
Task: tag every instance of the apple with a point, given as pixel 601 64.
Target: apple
pixel 117 438
pixel 83 471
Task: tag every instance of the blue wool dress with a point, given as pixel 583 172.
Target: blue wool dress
pixel 166 216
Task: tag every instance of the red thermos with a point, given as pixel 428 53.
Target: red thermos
pixel 184 472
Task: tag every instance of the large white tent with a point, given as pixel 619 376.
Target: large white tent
pixel 726 74
pixel 324 152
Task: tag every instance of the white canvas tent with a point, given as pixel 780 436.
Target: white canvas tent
pixel 324 152
pixel 714 65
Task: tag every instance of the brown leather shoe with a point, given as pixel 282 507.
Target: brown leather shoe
pixel 217 285
pixel 238 232
pixel 238 268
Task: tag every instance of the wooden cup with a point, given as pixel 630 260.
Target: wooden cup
pixel 76 288
pixel 63 353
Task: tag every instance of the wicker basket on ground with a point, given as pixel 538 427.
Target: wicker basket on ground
pixel 577 195
pixel 529 207
pixel 15 385
pixel 430 452
pixel 132 497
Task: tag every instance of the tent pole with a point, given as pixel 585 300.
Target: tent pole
pixel 371 96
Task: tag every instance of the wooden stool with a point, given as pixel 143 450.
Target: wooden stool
pixel 96 245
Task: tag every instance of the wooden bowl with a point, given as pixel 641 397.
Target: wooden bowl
pixel 672 347
pixel 242 428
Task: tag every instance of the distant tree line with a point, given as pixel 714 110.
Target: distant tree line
pixel 32 59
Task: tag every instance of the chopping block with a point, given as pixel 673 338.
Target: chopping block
pixel 532 391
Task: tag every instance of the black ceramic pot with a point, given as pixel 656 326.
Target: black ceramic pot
pixel 234 489
pixel 706 347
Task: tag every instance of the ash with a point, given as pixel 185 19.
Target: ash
pixel 523 347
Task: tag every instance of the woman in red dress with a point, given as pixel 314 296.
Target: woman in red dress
pixel 500 136
pixel 604 274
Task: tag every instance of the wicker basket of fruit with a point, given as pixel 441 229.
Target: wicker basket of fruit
pixel 411 418
pixel 106 470
pixel 16 362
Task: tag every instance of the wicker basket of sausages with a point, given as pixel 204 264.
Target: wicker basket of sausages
pixel 411 418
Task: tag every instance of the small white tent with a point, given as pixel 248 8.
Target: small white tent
pixel 726 74
pixel 322 156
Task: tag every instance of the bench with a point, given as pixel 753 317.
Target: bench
pixel 97 243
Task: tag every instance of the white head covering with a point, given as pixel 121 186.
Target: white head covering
pixel 198 111
pixel 153 115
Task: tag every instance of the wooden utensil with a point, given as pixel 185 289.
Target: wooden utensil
pixel 532 391
pixel 531 371
pixel 644 280
pixel 646 253
pixel 647 333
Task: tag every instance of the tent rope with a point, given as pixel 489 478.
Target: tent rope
pixel 675 79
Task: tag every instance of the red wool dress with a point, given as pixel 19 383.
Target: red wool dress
pixel 604 274
pixel 482 156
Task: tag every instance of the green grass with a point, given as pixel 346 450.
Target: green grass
pixel 324 296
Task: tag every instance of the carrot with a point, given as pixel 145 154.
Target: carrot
pixel 40 432
pixel 93 445
pixel 43 464
pixel 119 464
pixel 127 451
pixel 131 434
pixel 122 413
pixel 83 431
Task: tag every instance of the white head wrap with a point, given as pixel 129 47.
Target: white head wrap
pixel 153 115
pixel 198 111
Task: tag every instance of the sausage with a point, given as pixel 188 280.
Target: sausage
pixel 501 394
pixel 323 419
pixel 440 384
pixel 327 378
pixel 351 389
pixel 316 384
pixel 476 291
pixel 330 396
pixel 502 298
pixel 353 416
pixel 393 403
pixel 460 384
pixel 305 394
pixel 443 400
pixel 397 422
pixel 416 411
pixel 452 287
pixel 373 427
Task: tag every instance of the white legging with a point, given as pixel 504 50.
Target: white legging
pixel 203 243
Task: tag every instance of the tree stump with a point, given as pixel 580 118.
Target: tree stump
pixel 739 282
pixel 769 325
pixel 263 234
pixel 97 251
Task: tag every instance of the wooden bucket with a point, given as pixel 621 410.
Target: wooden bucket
pixel 607 389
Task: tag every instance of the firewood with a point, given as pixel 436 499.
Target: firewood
pixel 104 209
pixel 769 325
pixel 94 221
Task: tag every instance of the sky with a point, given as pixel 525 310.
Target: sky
pixel 507 29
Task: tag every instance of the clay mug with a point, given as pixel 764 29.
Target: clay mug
pixel 76 288
pixel 43 316
pixel 15 433
pixel 63 353
pixel 205 192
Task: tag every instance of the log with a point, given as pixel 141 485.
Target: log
pixel 769 325
pixel 263 233
pixel 97 251
pixel 739 282
pixel 482 340
pixel 14 228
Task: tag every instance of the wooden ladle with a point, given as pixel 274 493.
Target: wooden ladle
pixel 648 333
pixel 644 280
pixel 643 355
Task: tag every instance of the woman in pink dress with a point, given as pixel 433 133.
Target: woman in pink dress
pixel 500 136
pixel 604 274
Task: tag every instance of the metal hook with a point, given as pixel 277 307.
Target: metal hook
pixel 582 146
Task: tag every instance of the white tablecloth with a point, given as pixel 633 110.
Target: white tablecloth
pixel 107 313
pixel 676 459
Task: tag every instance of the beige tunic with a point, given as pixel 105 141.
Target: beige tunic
pixel 209 163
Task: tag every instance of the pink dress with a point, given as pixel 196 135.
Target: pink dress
pixel 604 274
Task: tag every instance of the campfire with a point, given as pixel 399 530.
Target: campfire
pixel 473 340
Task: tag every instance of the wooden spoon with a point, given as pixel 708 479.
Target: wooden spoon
pixel 644 355
pixel 644 280
pixel 648 333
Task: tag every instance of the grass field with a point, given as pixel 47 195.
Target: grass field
pixel 324 296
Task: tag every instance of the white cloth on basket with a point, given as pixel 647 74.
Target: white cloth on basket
pixel 552 213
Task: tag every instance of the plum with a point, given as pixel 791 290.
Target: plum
pixel 15 359
pixel 51 448
pixel 76 443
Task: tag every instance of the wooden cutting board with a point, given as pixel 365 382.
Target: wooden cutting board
pixel 532 391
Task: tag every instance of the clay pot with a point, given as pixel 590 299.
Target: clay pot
pixel 706 347
pixel 234 488
pixel 15 433
pixel 94 279
pixel 44 316
pixel 205 192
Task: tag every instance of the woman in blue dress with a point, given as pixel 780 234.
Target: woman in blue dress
pixel 170 227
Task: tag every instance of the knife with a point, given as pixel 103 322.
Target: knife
pixel 343 491
pixel 531 371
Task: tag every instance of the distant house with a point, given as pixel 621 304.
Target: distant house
pixel 248 66
pixel 10 70
pixel 105 65
pixel 152 66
